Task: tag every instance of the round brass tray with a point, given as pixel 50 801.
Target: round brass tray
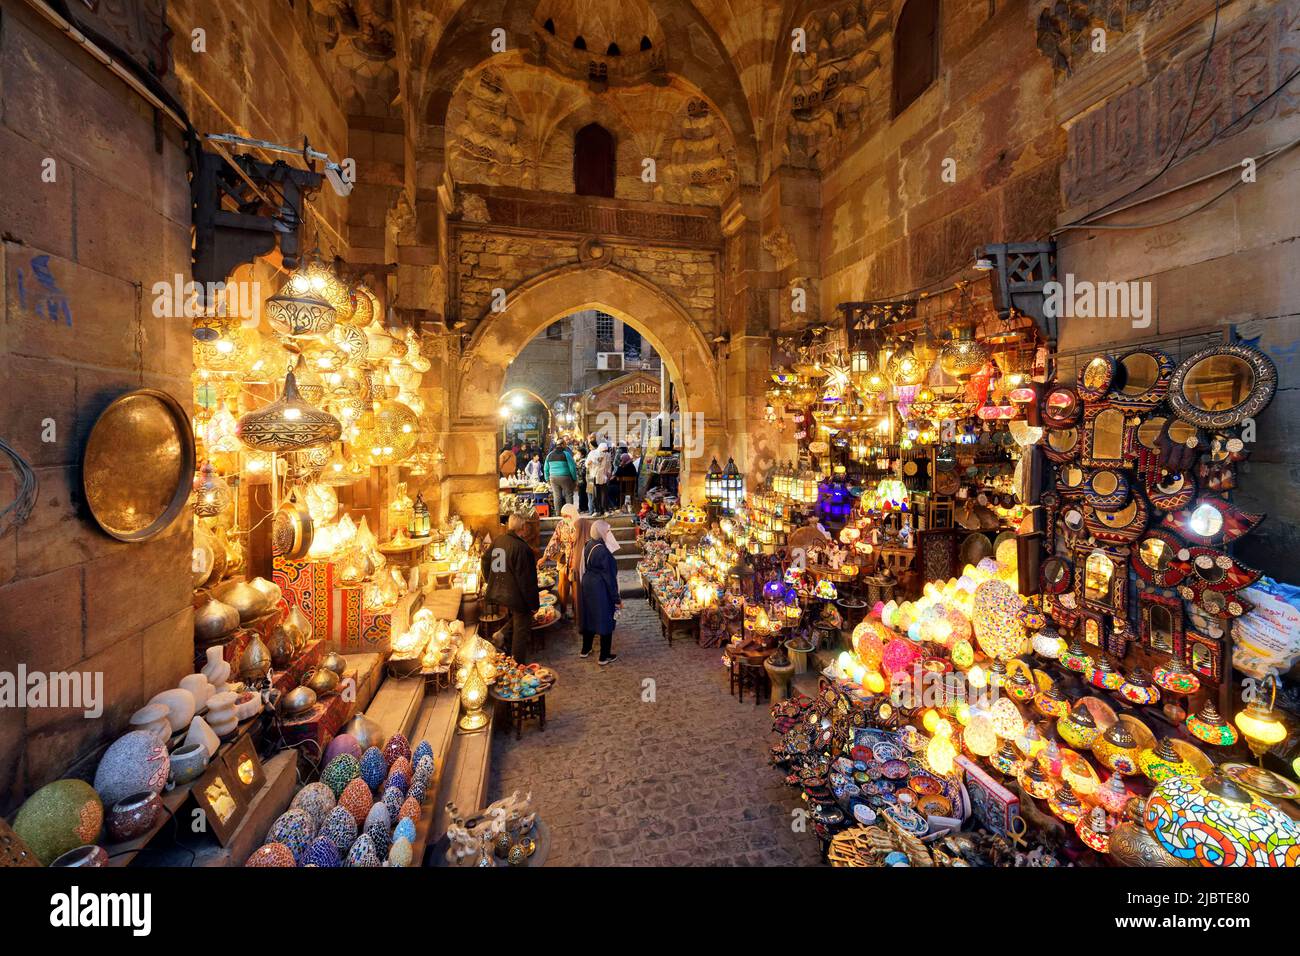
pixel 138 466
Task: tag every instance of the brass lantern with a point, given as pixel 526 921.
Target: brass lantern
pixel 387 434
pixel 297 310
pixel 963 355
pixel 732 486
pixel 288 424
pixel 713 484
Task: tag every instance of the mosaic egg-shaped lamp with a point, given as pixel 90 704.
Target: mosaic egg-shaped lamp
pixel 1117 749
pixel 1208 725
pixel 1214 822
pixel 996 618
pixel 59 817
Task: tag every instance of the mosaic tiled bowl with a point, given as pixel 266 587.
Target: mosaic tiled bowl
pixel 339 772
pixel 271 855
pixel 340 828
pixel 295 828
pixel 363 853
pixel 317 799
pixel 356 799
pixel 322 853
pixel 374 768
pixel 59 817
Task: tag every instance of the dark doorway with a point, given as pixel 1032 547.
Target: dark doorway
pixel 593 161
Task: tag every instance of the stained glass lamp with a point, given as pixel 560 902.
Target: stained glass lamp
pixel 1215 822
pixel 1035 782
pixel 1138 688
pixel 1104 675
pixel 1052 702
pixel 1007 722
pixel 1006 760
pixel 1065 804
pixel 1075 658
pixel 1094 830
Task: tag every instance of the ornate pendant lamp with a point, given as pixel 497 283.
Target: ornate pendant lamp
pixel 288 424
pixel 387 434
pixel 298 310
pixel 963 355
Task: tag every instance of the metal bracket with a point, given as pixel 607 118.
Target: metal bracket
pixel 242 208
pixel 1022 269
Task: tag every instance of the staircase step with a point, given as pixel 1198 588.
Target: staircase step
pixel 464 781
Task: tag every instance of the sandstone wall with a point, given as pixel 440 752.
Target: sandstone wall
pixel 81 254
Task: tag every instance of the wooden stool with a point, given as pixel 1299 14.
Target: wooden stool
pixel 753 675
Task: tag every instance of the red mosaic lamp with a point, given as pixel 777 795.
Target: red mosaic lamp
pixel 1176 677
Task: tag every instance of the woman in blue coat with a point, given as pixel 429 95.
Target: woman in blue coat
pixel 600 600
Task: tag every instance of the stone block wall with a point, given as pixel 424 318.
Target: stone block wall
pixel 80 255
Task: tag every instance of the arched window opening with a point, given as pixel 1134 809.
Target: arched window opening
pixel 580 42
pixel 613 50
pixel 549 26
pixel 645 43
pixel 593 161
pixel 916 51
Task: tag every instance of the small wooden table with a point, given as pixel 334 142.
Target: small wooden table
pixel 520 709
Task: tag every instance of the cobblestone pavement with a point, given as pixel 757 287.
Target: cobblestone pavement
pixel 680 781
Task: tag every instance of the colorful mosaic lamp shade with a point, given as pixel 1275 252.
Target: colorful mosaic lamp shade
pixel 1047 643
pixel 1104 675
pixel 1052 702
pixel 1007 722
pixel 1094 830
pixel 996 617
pixel 1117 749
pixel 1162 761
pixel 1077 728
pixel 1214 822
pixel 1075 658
pixel 1035 782
pixel 1065 804
pixel 1138 688
pixel 1176 677
pixel 1208 725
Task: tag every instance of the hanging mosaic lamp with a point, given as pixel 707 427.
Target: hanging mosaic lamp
pixel 1161 762
pixel 963 355
pixel 1208 725
pixel 1077 728
pixel 288 423
pixel 1176 677
pixel 1117 749
pixel 1052 702
pixel 1138 688
pixel 905 368
pixel 1104 675
pixel 1075 658
pixel 1065 804
pixel 1215 822
pixel 211 493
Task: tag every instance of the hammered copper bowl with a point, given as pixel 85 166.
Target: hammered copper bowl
pixel 134 816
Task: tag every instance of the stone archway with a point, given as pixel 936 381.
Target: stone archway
pixel 470 444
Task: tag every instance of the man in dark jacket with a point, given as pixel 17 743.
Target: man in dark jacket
pixel 510 570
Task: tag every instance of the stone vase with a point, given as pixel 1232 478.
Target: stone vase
pixel 217 668
pixel 779 675
pixel 221 713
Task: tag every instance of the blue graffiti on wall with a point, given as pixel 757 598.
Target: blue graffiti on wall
pixel 49 299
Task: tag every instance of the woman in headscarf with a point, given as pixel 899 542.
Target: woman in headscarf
pixel 599 588
pixel 560 550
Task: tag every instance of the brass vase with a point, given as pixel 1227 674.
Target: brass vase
pixel 255 662
pixel 1132 845
pixel 334 661
pixel 281 646
pixel 323 681
pixel 214 621
pixel 302 627
pixel 244 598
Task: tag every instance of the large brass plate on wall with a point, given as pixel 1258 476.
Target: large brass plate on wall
pixel 138 466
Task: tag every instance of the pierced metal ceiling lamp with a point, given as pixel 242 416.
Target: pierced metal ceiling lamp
pixel 298 310
pixel 288 424
pixel 963 355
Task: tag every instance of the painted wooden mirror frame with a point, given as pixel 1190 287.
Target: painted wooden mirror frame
pixel 1188 387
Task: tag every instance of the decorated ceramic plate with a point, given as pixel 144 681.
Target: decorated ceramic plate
pixel 886 751
pixel 895 769
pixel 1261 781
pixel 864 814
pixel 934 805
pixel 908 820
pixel 924 784
pixel 546 598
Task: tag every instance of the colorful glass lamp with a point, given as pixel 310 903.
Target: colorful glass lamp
pixel 1077 728
pixel 1006 760
pixel 1260 726
pixel 1138 688
pixel 1065 804
pixel 1176 677
pixel 1161 762
pixel 1208 725
pixel 1075 657
pixel 1035 782
pixel 1052 702
pixel 1047 643
pixel 1113 795
pixel 1094 830
pixel 1104 675
pixel 1117 749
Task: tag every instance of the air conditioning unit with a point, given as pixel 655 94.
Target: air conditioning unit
pixel 609 361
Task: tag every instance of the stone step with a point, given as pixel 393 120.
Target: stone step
pixel 464 783
pixel 435 723
pixel 396 704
